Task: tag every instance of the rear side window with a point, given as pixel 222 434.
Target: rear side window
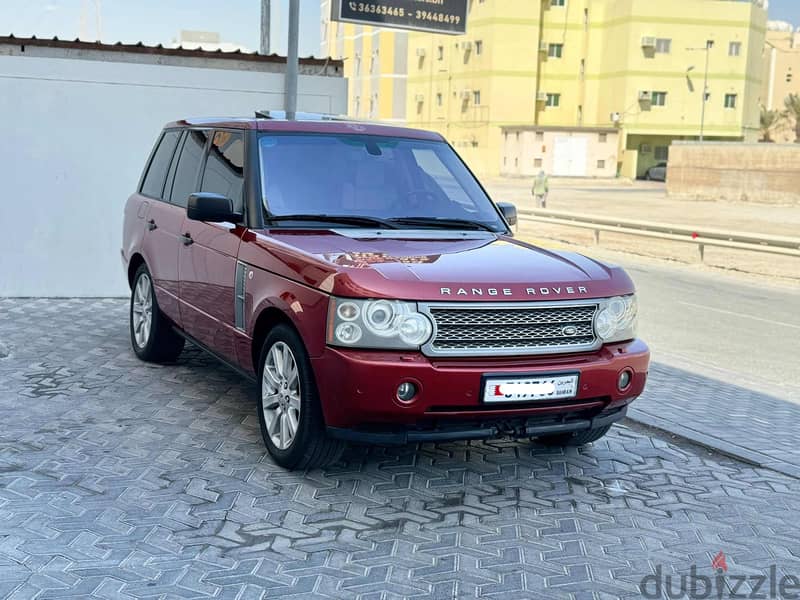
pixel 224 172
pixel 185 182
pixel 153 184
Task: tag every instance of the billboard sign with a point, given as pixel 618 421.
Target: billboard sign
pixel 434 16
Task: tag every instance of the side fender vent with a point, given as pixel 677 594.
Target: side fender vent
pixel 239 291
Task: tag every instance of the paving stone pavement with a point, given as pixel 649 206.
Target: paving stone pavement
pixel 120 479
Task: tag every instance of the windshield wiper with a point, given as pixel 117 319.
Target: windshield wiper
pixel 443 222
pixel 342 219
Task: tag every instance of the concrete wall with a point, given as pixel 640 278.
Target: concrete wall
pixel 768 173
pixel 76 134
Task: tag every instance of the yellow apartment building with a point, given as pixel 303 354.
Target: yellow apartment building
pixel 629 71
pixel 781 70
pixel 375 65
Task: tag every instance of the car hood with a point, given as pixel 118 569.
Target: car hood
pixel 431 265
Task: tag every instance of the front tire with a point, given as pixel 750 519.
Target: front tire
pixel 152 336
pixel 289 409
pixel 574 439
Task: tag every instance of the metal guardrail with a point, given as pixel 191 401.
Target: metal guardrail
pixel 774 244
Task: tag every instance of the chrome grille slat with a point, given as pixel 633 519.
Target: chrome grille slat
pixel 471 329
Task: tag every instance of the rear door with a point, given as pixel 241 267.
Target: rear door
pixel 162 223
pixel 208 264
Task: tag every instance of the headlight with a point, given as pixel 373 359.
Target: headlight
pixel 389 324
pixel 616 319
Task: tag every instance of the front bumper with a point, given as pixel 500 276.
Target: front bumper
pixel 357 389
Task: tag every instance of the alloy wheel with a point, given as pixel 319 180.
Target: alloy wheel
pixel 280 395
pixel 142 310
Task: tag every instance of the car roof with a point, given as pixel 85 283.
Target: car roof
pixel 320 125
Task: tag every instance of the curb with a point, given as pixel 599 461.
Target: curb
pixel 757 459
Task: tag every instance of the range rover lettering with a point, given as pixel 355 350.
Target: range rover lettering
pixel 361 275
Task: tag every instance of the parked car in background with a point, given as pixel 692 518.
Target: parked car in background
pixel 657 172
pixel 363 278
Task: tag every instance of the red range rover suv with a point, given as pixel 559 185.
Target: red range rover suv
pixel 360 274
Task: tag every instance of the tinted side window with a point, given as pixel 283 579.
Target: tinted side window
pixel 153 183
pixel 185 182
pixel 224 172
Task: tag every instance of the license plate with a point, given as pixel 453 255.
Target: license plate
pixel 525 389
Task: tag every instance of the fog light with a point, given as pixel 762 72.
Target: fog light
pixel 624 380
pixel 406 391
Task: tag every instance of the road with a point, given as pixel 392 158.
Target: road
pixel 717 324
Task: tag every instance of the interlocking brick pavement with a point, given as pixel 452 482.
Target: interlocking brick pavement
pixel 120 479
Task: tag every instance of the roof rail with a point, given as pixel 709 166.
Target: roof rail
pixel 300 116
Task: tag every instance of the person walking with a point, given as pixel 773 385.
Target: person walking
pixel 540 188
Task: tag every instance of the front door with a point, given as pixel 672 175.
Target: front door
pixel 207 255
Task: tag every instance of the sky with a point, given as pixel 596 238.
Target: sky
pixel 159 21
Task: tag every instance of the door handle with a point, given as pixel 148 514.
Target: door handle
pixel 151 224
pixel 187 239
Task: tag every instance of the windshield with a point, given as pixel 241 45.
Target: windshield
pixel 370 176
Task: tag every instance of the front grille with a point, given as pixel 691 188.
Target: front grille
pixel 475 329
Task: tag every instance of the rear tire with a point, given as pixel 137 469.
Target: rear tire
pixel 574 439
pixel 152 336
pixel 289 409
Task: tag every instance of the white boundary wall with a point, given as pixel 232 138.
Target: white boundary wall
pixel 75 136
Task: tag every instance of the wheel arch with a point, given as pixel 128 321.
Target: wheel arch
pixel 133 265
pixel 267 319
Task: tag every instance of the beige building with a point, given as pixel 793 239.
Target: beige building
pixel 560 151
pixel 375 65
pixel 781 70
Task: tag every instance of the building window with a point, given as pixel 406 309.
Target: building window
pixel 558 2
pixel 553 100
pixel 440 53
pixel 730 100
pixel 658 98
pixel 479 47
pixel 438 99
pixel 601 164
pixel 540 136
pixel 537 162
pixel 602 138
pixel 357 68
pixel 734 48
pixel 788 77
pixel 518 136
pixel 661 153
pixel 555 50
pixel 586 19
pixel 582 71
pixel 580 114
pixel 516 162
pixel 358 105
pixel 476 97
pixel 663 45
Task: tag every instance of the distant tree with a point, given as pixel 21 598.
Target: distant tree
pixel 769 119
pixel 792 104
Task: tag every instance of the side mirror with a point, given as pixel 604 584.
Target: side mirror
pixel 509 212
pixel 214 208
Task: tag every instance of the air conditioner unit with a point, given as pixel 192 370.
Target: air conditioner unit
pixel 541 97
pixel 645 96
pixel 421 52
pixel 419 98
pixel 466 46
pixel 543 46
pixel 466 94
pixel 648 42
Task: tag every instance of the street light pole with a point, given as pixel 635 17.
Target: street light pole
pixel 265 25
pixel 709 45
pixel 292 59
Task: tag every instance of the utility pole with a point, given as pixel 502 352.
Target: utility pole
pixel 265 23
pixel 709 45
pixel 292 59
